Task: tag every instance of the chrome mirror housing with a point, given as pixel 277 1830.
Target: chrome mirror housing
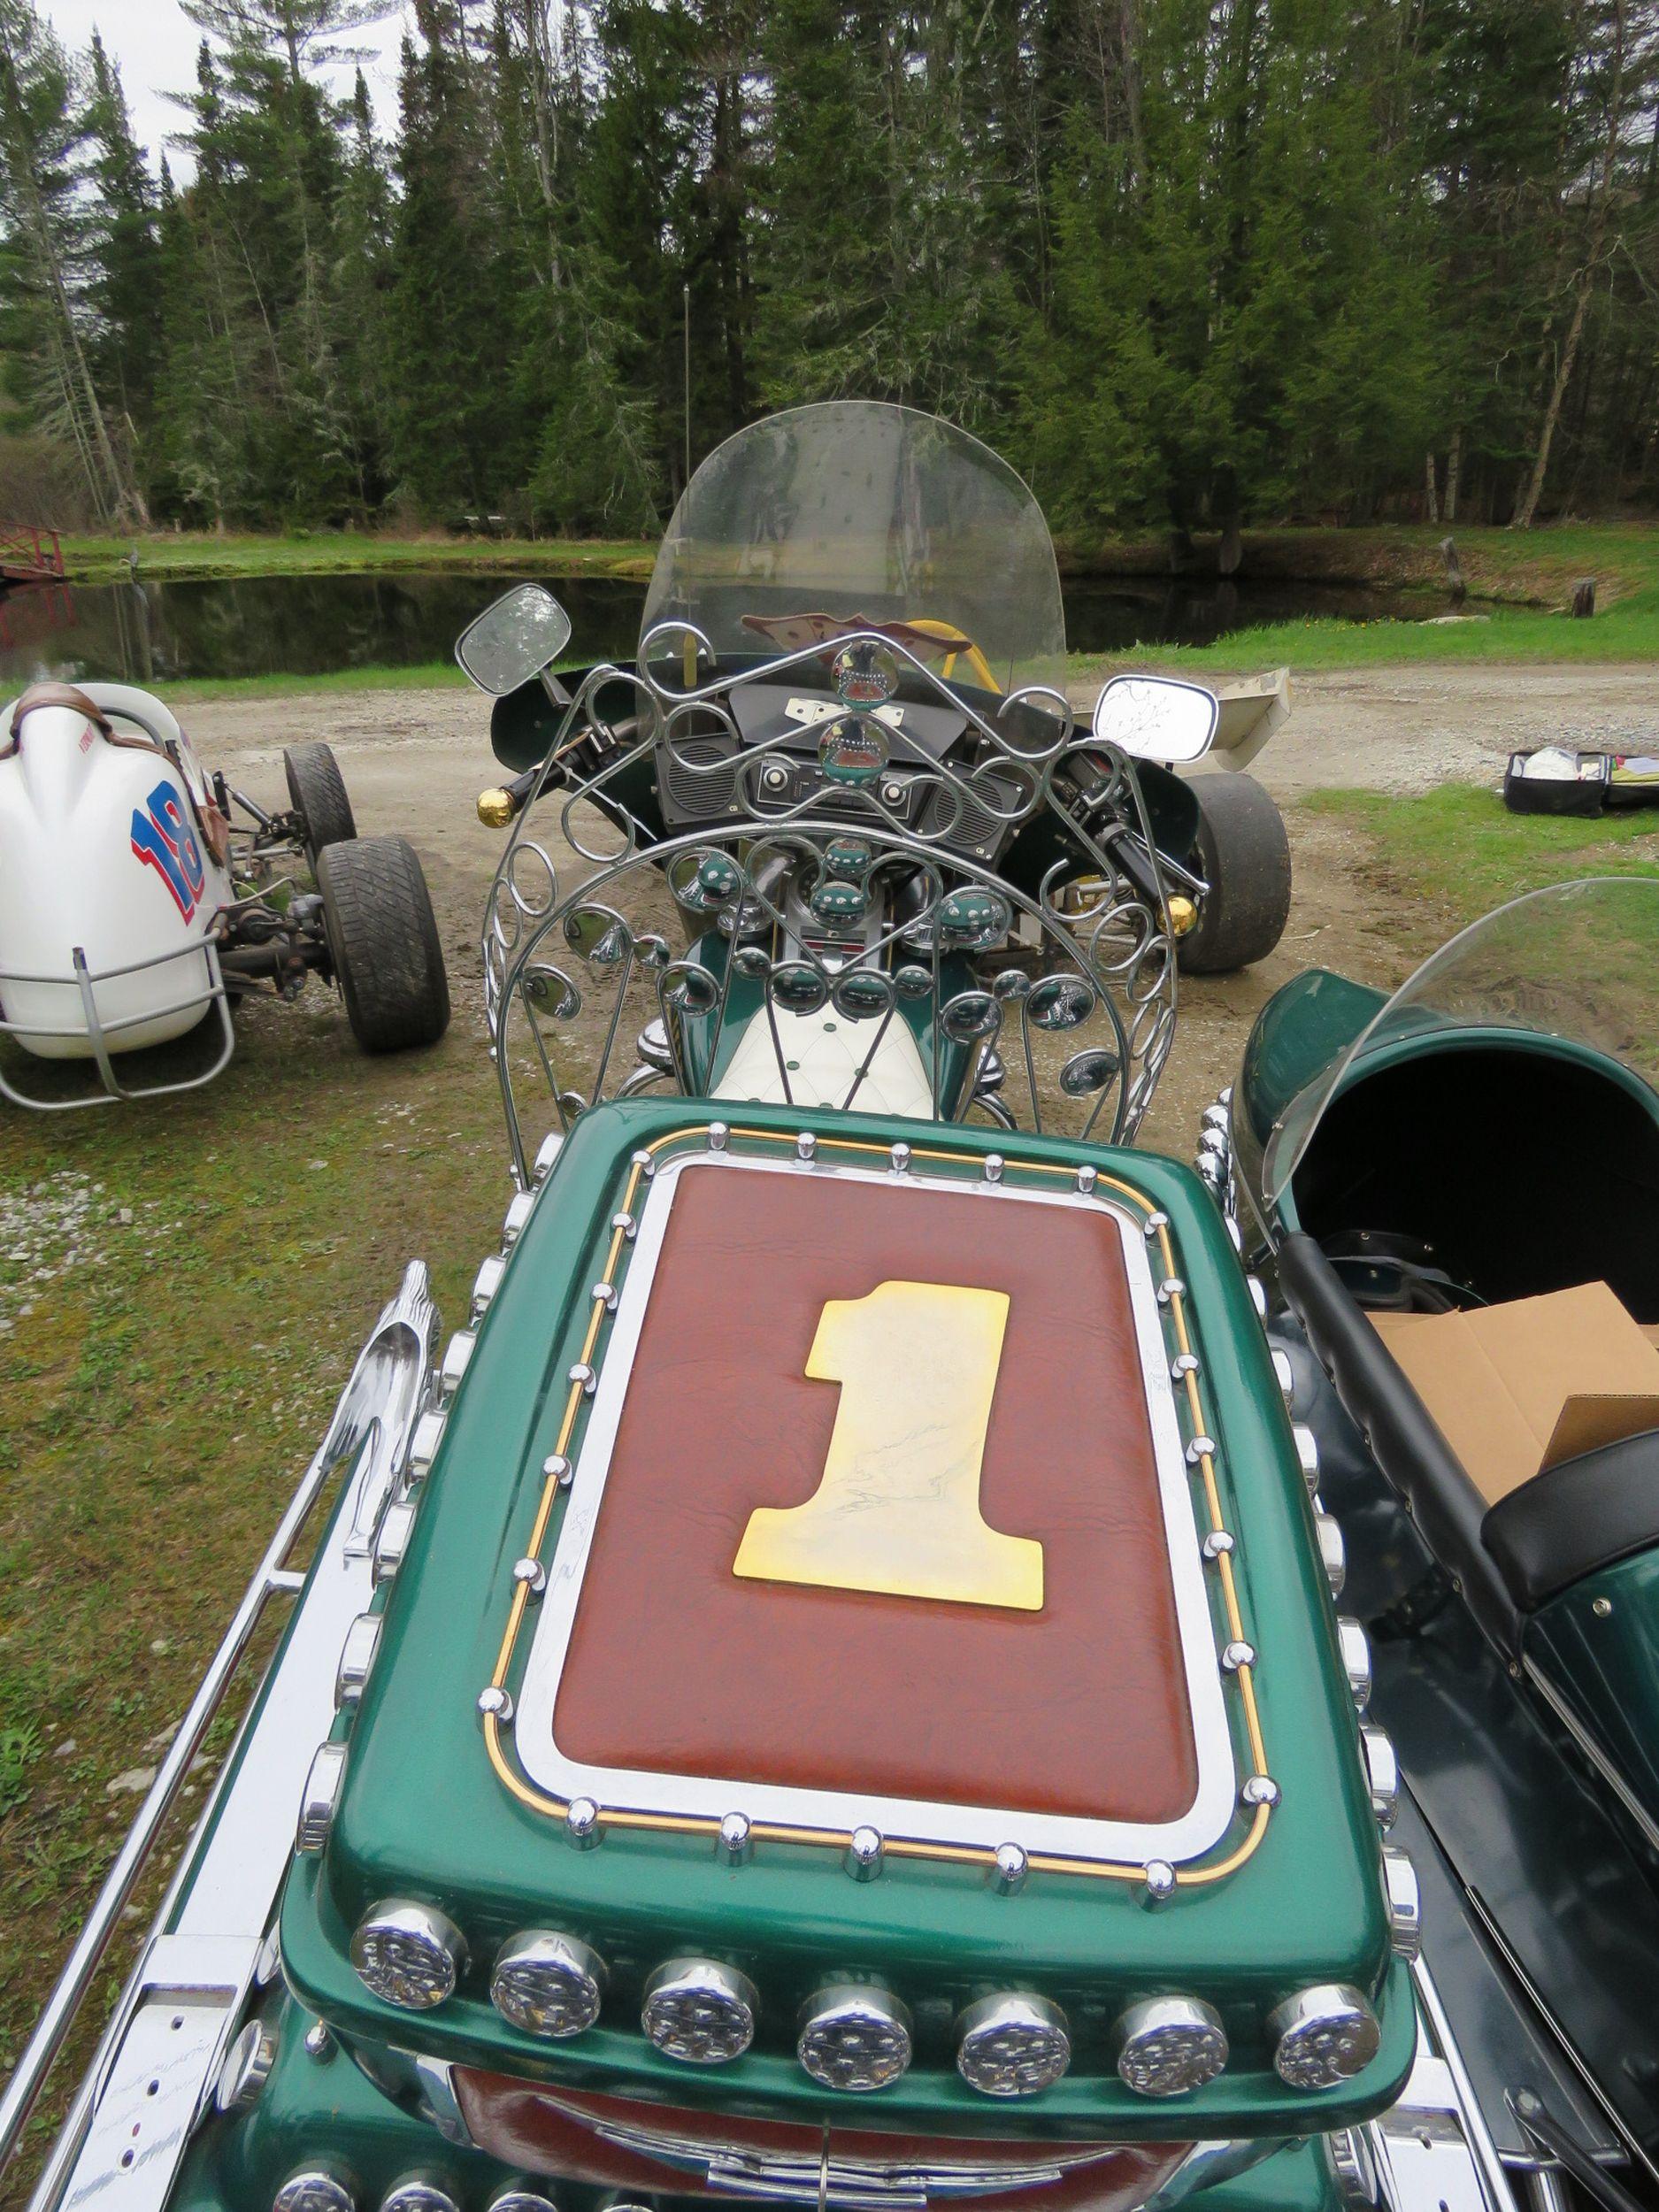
pixel 1157 717
pixel 515 638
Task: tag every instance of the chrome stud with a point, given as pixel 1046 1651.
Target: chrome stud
pixel 1405 1903
pixel 1015 2045
pixel 1183 1365
pixel 457 1354
pixel 418 2193
pixel 356 1657
pixel 1159 1877
pixel 581 1823
pixel 1237 1654
pixel 423 1445
pixel 863 1854
pixel 314 2189
pixel 1201 1447
pixel 699 2012
pixel 734 1845
pixel 1285 1373
pixel 806 1146
pixel 1172 1286
pixel 557 1468
pixel 408 1954
pixel 1323 2036
pixel 645 1163
pixel 1009 1869
pixel 1258 1295
pixel 1382 1773
pixel 518 1213
pixel 486 1283
pixel 719 1135
pixel 1218 1542
pixel 1355 1645
pixel 583 1374
pixel 605 1295
pixel 994 1167
pixel 1333 1551
pixel 626 1225
pixel 1087 1177
pixel 514 2197
pixel 1168 2047
pixel 1307 1454
pixel 532 1573
pixel 550 1147
pixel 900 1156
pixel 545 1983
pixel 1153 1222
pixel 495 1704
pixel 246 2068
pixel 854 2036
pixel 320 2043
pixel 1259 1789
pixel 398 1524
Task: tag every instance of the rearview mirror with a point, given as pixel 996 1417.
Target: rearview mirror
pixel 1157 718
pixel 514 640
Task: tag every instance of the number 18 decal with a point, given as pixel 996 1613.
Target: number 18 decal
pixel 163 840
pixel 897 1508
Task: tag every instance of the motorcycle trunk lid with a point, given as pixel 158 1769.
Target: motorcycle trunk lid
pixel 651 1401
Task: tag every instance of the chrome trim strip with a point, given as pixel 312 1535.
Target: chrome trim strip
pixel 1178 1840
pixel 1586 1743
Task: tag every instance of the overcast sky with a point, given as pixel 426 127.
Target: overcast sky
pixel 155 43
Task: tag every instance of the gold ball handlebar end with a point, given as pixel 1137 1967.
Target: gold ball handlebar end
pixel 495 807
pixel 1183 912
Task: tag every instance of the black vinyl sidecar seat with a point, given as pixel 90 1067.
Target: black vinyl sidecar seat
pixel 1576 1516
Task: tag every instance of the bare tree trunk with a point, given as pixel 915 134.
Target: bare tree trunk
pixel 1453 463
pixel 1430 491
pixel 1530 498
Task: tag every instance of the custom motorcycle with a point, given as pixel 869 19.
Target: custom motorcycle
pixel 828 1692
pixel 1453 1192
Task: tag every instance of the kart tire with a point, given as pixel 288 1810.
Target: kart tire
pixel 383 941
pixel 317 791
pixel 1243 854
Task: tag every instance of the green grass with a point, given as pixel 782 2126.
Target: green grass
pixel 180 553
pixel 418 676
pixel 1460 849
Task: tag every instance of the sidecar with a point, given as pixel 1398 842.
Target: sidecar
pixel 1452 1194
pixel 828 1692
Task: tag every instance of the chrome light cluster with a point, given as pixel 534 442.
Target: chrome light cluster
pixel 409 1954
pixel 854 2036
pixel 548 1983
pixel 700 2011
pixel 1169 2045
pixel 1012 2046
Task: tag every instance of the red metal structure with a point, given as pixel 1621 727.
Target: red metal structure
pixel 28 556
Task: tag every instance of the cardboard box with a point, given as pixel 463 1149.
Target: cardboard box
pixel 1517 1388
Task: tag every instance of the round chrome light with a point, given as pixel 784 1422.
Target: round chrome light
pixel 516 2199
pixel 854 2036
pixel 548 1983
pixel 1012 2046
pixel 418 2193
pixel 1323 2036
pixel 700 2011
pixel 1167 2046
pixel 312 2189
pixel 410 1954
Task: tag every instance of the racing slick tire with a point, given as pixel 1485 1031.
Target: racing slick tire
pixel 317 791
pixel 1243 854
pixel 383 941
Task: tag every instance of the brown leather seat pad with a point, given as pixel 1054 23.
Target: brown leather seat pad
pixel 676 1666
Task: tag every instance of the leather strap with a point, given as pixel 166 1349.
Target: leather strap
pixel 68 695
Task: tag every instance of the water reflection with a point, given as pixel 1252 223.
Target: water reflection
pixel 155 633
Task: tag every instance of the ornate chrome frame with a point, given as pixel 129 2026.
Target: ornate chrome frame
pixel 1118 949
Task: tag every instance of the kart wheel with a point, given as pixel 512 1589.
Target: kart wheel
pixel 383 941
pixel 1244 856
pixel 317 790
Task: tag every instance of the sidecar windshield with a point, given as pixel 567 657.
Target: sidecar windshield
pixel 1574 963
pixel 858 514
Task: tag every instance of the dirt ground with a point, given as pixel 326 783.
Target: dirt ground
pixel 415 761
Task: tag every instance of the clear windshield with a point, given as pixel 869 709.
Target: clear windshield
pixel 1578 962
pixel 859 514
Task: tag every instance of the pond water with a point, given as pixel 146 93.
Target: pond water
pixel 153 632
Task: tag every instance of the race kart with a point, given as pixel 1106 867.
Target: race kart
pixel 1452 1196
pixel 827 1692
pixel 141 898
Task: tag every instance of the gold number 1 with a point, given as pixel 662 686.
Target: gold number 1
pixel 897 1507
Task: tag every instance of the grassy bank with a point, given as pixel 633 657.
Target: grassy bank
pixel 1459 849
pixel 182 555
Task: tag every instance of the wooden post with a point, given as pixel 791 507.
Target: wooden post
pixel 1454 582
pixel 1584 597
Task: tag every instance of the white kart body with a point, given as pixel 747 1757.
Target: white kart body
pixel 108 888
